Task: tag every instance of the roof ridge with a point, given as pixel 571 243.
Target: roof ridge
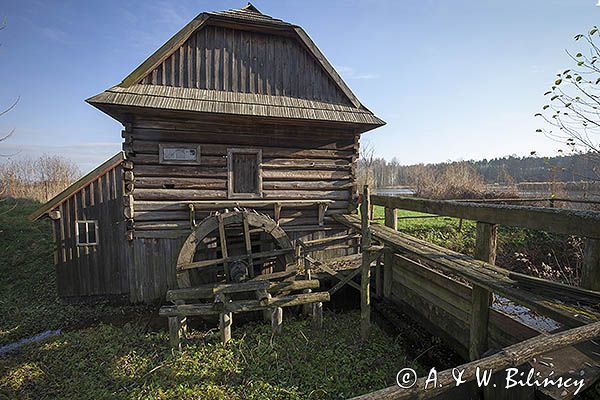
pixel 250 7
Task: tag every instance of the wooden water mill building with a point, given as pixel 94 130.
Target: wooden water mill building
pixel 239 137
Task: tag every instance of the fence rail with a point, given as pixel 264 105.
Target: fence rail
pixel 411 265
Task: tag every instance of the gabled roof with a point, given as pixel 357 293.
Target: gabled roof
pixel 250 18
pixel 77 186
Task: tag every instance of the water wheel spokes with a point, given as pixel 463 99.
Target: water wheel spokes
pixel 225 264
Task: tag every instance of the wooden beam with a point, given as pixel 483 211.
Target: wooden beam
pixel 277 320
pixel 391 221
pixel 223 241
pixel 510 356
pixel 175 332
pixel 190 310
pixel 346 280
pixel 391 217
pixel 567 222
pixel 248 242
pixel 225 321
pixel 209 291
pixel 481 298
pixel 365 277
pixel 488 276
pixel 378 279
pixel 590 273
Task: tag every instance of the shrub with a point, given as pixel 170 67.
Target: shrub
pixel 36 179
pixel 456 180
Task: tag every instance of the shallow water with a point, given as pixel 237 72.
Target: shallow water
pixel 31 339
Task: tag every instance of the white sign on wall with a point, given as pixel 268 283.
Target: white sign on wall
pixel 173 153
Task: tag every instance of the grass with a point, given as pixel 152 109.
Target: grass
pixel 100 360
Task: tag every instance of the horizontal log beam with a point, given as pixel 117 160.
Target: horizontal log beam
pixel 190 310
pixel 567 222
pixel 209 291
pixel 511 356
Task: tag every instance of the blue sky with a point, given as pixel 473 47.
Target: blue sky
pixel 453 79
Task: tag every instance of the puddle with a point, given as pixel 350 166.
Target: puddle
pixel 31 339
pixel 524 314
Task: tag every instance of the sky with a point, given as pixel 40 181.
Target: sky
pixel 454 80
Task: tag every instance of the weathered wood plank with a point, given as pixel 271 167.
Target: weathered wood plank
pixel 567 222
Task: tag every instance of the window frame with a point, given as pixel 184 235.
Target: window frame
pixel 163 146
pixel 87 222
pixel 230 181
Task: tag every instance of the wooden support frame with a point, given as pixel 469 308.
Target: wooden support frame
pixel 590 273
pixel 248 242
pixel 488 276
pixel 223 242
pixel 190 310
pixel 365 278
pixel 481 298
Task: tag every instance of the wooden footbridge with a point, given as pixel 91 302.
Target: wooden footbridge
pixel 451 293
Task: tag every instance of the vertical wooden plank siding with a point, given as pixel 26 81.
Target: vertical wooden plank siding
pixel 100 270
pixel 249 62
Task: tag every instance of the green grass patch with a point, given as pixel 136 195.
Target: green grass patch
pixel 28 300
pixel 108 362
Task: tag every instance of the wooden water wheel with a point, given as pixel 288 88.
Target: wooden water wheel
pixel 234 247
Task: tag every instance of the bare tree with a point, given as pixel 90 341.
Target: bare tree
pixel 5 136
pixel 573 110
pixel 365 163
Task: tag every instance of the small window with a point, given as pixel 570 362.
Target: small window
pixel 244 173
pixel 86 232
pixel 179 153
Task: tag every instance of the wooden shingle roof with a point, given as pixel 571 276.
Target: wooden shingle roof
pixel 222 102
pixel 161 83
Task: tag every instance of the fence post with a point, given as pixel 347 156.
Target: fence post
pixel 481 299
pixel 365 279
pixel 391 221
pixel 590 272
pixel 391 218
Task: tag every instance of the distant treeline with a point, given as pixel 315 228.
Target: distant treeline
pixel 506 170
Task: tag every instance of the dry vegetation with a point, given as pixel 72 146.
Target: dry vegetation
pixel 36 179
pixel 459 181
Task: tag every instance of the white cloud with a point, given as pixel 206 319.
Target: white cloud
pixel 351 74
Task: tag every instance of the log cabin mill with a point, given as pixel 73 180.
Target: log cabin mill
pixel 239 138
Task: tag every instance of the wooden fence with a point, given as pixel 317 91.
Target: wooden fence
pixel 450 293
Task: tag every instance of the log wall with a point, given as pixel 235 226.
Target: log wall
pixel 297 164
pixel 100 270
